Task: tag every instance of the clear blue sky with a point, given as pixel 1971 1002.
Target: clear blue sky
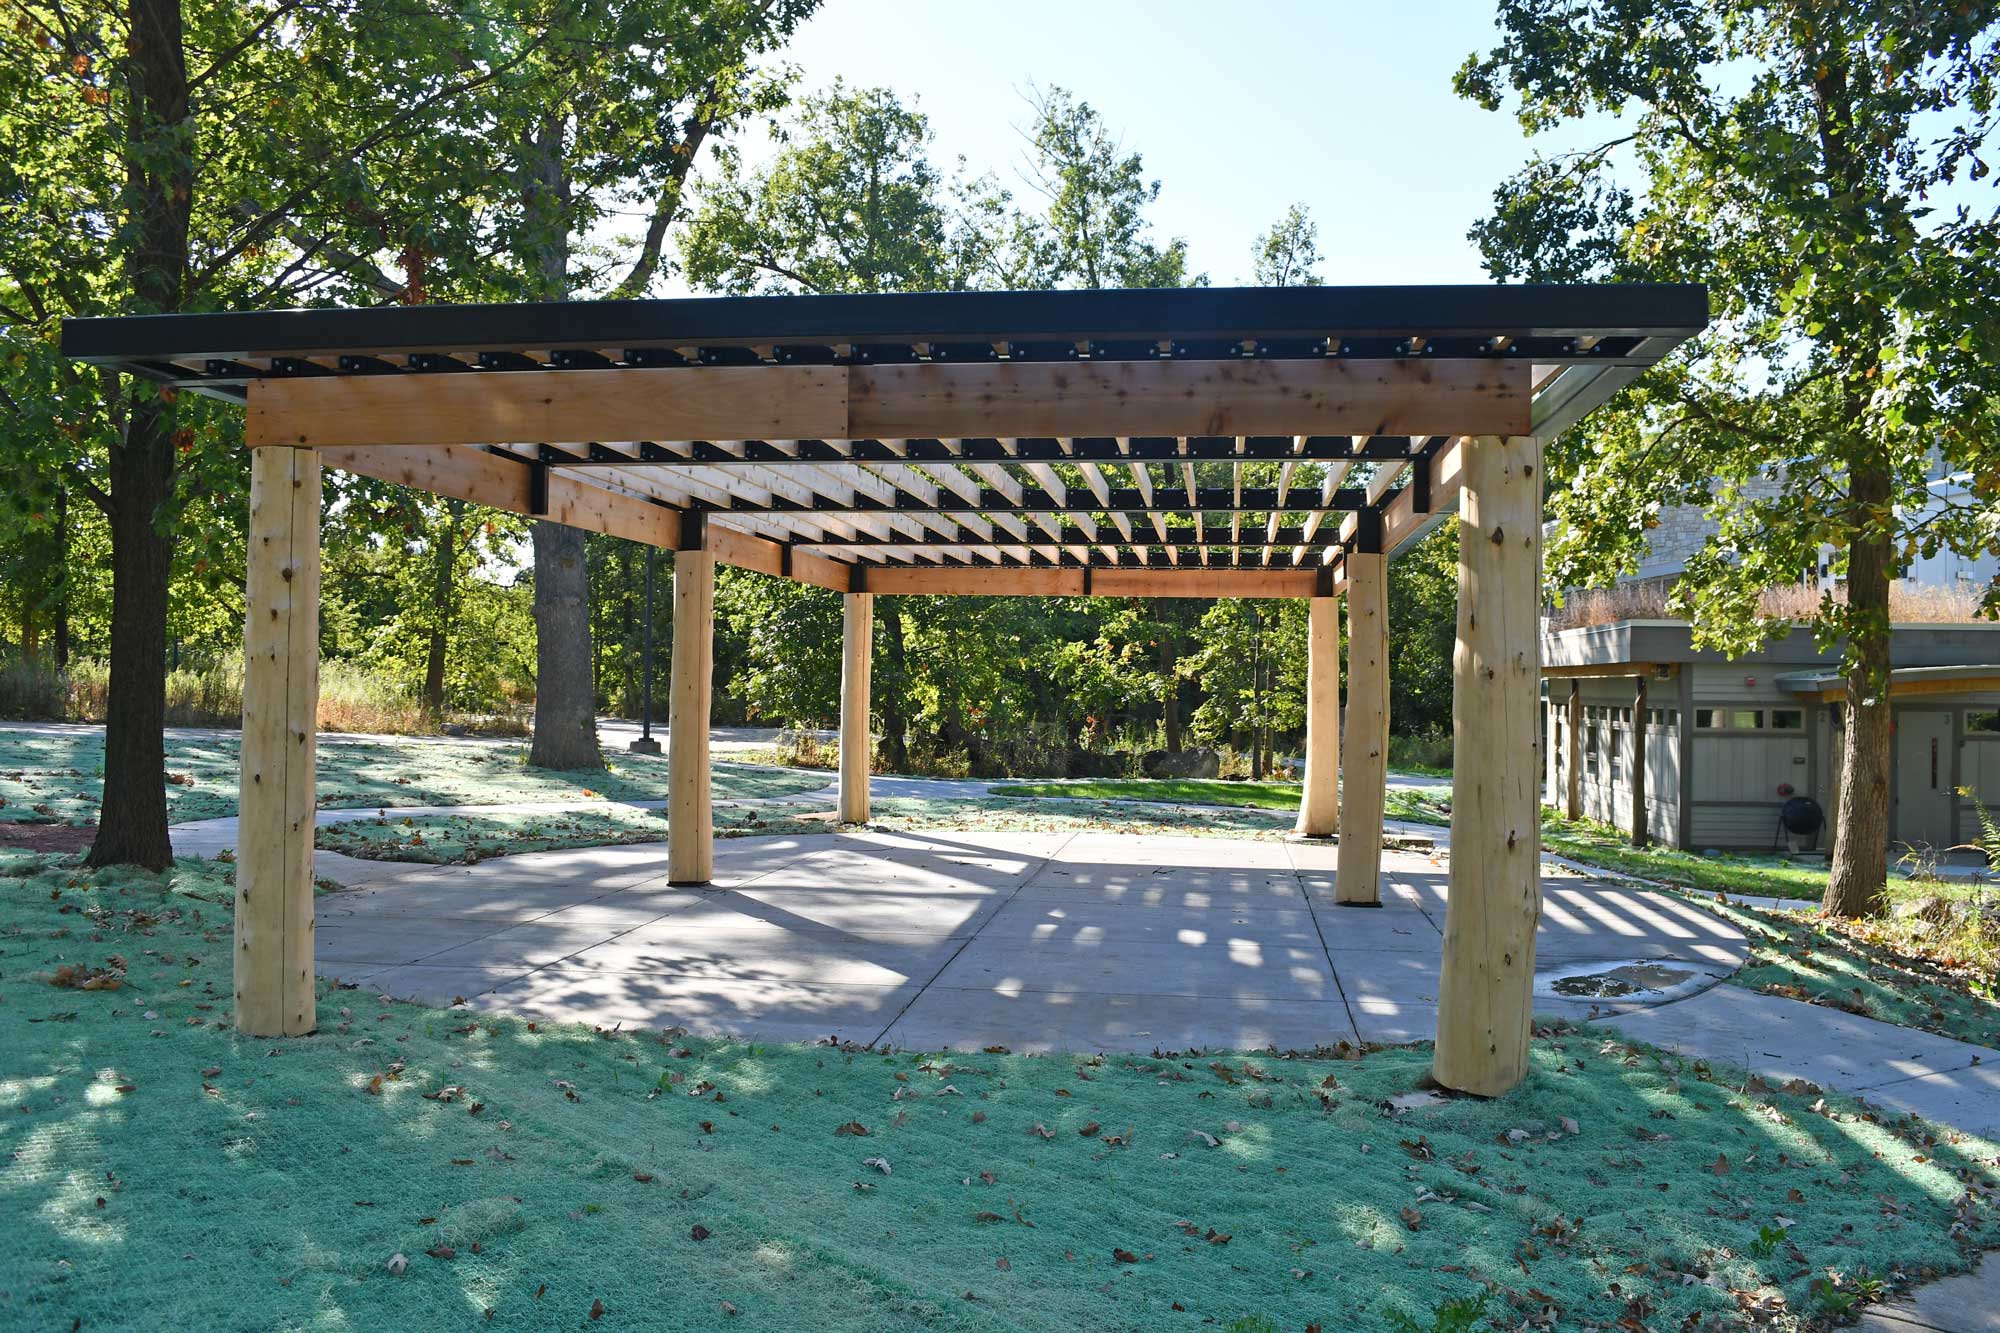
pixel 1238 109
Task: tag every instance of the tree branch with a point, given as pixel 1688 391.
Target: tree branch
pixel 216 65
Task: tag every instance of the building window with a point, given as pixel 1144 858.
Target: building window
pixel 1748 719
pixel 1591 742
pixel 1983 721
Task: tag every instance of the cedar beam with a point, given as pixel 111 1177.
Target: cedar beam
pixel 1070 582
pixel 1321 396
pixel 468 473
pixel 1486 984
pixel 1573 754
pixel 274 981
pixel 1639 761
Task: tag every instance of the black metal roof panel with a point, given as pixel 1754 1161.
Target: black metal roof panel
pixel 1643 320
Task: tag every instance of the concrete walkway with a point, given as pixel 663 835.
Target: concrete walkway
pixel 1968 1303
pixel 1033 941
pixel 1897 1068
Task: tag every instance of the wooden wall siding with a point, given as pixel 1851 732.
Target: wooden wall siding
pixel 1602 799
pixel 1743 766
pixel 1741 827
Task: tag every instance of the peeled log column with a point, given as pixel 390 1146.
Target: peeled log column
pixel 275 818
pixel 690 818
pixel 1485 991
pixel 857 642
pixel 1364 741
pixel 1319 801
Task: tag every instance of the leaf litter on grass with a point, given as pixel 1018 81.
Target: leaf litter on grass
pixel 543 1159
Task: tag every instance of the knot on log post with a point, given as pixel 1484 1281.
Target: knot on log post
pixel 1499 537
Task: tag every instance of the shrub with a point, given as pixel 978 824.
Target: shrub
pixel 31 691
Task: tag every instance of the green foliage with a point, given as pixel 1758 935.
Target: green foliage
pixel 1820 169
pixel 1423 633
pixel 1286 255
pixel 1459 1314
pixel 1093 233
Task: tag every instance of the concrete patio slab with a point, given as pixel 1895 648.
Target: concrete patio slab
pixel 945 1018
pixel 1032 941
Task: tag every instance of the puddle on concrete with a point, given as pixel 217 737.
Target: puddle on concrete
pixel 1638 981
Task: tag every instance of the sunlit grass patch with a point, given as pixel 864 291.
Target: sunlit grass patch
pixel 540 1170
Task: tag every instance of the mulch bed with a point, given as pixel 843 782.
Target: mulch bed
pixel 46 837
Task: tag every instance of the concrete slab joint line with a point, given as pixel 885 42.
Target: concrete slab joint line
pixel 1081 940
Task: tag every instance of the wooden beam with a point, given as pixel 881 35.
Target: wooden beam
pixel 857 646
pixel 1573 756
pixel 1364 741
pixel 1639 761
pixel 274 979
pixel 1024 581
pixel 551 406
pixel 1319 798
pixel 1904 689
pixel 1612 671
pixel 504 483
pixel 690 816
pixel 922 400
pixel 1309 397
pixel 1486 984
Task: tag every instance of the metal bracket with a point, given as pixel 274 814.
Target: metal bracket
pixel 1367 531
pixel 538 489
pixel 857 577
pixel 694 531
pixel 1323 581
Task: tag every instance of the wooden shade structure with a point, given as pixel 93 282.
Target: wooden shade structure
pixel 1045 443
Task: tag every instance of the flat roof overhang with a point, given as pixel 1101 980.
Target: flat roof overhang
pixel 913 430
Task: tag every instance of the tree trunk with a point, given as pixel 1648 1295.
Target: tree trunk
pixel 446 557
pixel 565 697
pixel 1170 697
pixel 132 823
pixel 159 190
pixel 1861 819
pixel 565 666
pixel 62 578
pixel 895 747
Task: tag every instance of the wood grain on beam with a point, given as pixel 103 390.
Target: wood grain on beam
pixel 1102 582
pixel 551 406
pixel 1326 397
pixel 502 483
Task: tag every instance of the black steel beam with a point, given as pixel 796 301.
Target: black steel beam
pixel 1202 321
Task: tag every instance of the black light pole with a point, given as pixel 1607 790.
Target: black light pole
pixel 646 744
